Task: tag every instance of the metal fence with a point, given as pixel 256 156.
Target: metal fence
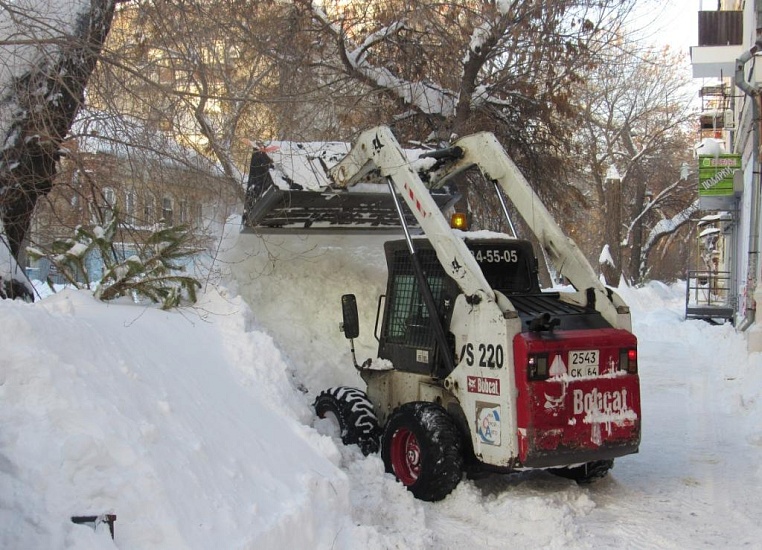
pixel 707 296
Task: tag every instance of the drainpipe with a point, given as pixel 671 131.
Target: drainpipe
pixel 753 93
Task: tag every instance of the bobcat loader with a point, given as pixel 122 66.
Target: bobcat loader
pixel 478 369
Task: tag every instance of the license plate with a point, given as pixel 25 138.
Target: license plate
pixel 583 363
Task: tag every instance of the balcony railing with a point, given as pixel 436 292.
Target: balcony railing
pixel 720 28
pixel 707 296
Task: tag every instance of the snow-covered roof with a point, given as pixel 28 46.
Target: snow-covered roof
pixel 710 146
pixel 128 138
pixel 711 218
pixel 709 231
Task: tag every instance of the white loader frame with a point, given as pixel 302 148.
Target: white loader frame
pixel 482 318
pixel 378 150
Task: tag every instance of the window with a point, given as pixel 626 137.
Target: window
pixel 409 320
pixel 166 75
pixel 182 214
pixel 148 210
pixel 109 203
pixel 166 211
pixel 196 214
pixel 109 196
pixel 402 299
pixel 130 198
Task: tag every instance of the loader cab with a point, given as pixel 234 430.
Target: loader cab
pixel 407 336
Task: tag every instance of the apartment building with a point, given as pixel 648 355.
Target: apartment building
pixel 728 61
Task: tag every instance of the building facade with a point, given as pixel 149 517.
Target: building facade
pixel 111 166
pixel 728 60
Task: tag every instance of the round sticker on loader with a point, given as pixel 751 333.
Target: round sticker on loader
pixel 488 423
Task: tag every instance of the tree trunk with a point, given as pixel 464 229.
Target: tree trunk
pixel 613 231
pixel 663 229
pixel 636 246
pixel 45 100
pixel 638 179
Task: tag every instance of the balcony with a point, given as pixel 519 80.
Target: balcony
pixel 720 28
pixel 720 44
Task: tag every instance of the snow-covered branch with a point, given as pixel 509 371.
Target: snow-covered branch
pixel 424 96
pixel 656 201
pixel 358 55
pixel 666 227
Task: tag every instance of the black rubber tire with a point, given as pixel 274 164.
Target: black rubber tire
pixel 586 473
pixel 423 448
pixel 353 411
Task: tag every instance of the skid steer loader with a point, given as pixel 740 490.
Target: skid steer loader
pixel 478 369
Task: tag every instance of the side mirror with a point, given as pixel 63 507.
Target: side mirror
pixel 351 321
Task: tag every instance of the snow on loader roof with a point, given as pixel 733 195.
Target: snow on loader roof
pixel 289 190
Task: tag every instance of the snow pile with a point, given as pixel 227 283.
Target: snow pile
pixel 194 427
pixel 183 424
pixel 294 285
pixel 305 165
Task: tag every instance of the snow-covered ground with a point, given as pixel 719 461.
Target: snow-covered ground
pixel 194 427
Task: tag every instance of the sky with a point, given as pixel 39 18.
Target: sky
pixel 676 22
pixel 672 23
pixel 195 428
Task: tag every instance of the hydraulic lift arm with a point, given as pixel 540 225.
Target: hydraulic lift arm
pixel 484 151
pixel 377 150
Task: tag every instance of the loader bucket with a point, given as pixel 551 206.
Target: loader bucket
pixel 289 191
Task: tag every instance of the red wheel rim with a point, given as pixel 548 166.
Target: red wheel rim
pixel 405 454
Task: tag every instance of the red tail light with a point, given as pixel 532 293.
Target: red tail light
pixel 628 360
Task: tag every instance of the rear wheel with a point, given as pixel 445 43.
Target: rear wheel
pixel 422 447
pixel 353 413
pixel 586 473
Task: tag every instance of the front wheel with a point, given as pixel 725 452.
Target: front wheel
pixel 422 447
pixel 353 412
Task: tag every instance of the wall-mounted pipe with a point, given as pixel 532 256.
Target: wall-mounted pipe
pixel 753 93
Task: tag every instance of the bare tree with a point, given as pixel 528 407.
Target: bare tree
pixel 204 72
pixel 634 137
pixel 443 69
pixel 49 52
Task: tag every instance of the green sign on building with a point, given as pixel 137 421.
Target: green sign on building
pixel 716 180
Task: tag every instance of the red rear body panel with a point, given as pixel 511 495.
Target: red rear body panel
pixel 576 415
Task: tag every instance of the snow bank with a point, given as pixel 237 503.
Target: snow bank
pixel 294 285
pixel 183 424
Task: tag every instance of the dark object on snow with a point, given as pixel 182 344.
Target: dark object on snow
pixel 259 173
pixel 96 520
